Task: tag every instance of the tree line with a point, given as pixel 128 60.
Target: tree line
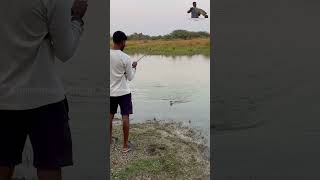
pixel 177 34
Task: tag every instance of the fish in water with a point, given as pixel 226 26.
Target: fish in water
pixel 178 102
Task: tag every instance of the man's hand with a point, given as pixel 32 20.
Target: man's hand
pixel 79 8
pixel 134 64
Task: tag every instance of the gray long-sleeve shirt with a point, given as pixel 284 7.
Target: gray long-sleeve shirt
pixel 196 12
pixel 32 34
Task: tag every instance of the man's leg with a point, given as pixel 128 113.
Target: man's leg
pixel 125 128
pixel 114 102
pixel 6 173
pixel 50 137
pixel 126 110
pixel 13 134
pixel 49 174
pixel 111 116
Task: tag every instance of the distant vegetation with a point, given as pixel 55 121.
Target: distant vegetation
pixel 177 34
pixel 178 42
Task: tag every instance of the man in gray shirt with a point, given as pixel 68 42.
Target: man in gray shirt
pixel 32 97
pixel 196 12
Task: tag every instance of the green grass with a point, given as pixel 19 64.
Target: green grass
pixel 153 166
pixel 172 158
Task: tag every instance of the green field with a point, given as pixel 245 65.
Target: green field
pixel 169 47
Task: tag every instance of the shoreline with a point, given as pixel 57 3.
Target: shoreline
pixel 176 47
pixel 161 150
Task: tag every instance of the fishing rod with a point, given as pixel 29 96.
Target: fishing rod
pixel 141 58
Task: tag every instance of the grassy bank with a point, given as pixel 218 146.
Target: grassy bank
pixel 169 47
pixel 161 151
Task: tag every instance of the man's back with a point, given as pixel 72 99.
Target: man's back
pixel 32 33
pixel 120 72
pixel 21 33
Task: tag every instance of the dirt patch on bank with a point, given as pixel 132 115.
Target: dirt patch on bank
pixel 161 150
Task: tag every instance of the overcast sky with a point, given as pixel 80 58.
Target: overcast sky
pixel 156 17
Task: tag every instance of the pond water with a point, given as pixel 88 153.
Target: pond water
pixel 173 88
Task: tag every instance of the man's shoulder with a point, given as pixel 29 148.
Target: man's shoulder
pixel 123 56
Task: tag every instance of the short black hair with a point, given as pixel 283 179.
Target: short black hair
pixel 119 36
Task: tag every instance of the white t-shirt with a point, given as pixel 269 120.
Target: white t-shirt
pixel 121 72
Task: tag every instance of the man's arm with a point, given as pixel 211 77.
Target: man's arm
pixel 189 10
pixel 65 33
pixel 202 12
pixel 130 71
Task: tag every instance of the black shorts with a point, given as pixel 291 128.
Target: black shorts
pixel 49 133
pixel 124 102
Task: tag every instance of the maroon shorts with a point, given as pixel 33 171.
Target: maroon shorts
pixel 49 133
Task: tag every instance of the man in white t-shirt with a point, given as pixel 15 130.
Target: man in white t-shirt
pixel 122 70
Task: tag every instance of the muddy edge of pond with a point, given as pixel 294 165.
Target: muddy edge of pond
pixel 161 150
